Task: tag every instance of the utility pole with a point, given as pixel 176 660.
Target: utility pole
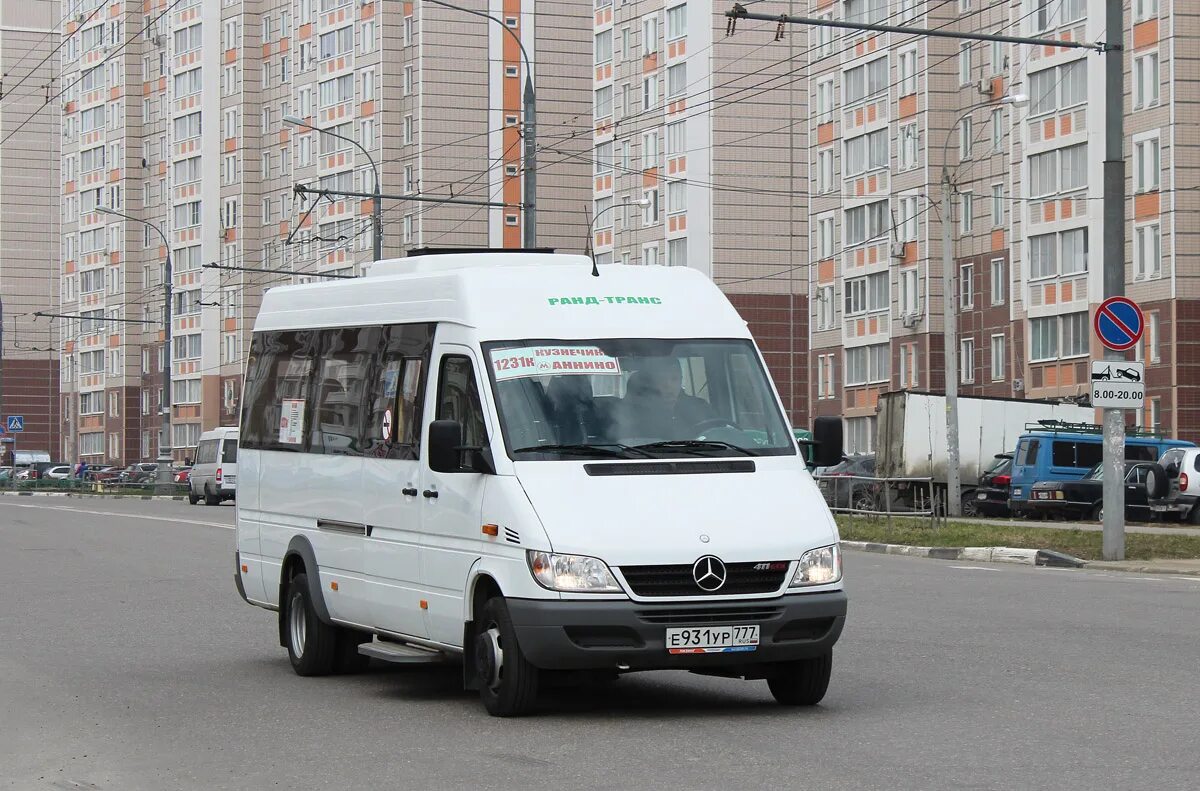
pixel 529 108
pixel 1113 543
pixel 953 505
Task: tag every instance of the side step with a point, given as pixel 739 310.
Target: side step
pixel 401 653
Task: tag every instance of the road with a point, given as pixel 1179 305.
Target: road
pixel 129 662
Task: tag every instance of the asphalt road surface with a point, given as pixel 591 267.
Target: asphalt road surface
pixel 127 661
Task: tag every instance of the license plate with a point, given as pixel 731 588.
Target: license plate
pixel 712 639
pixel 1017 492
pixel 1041 495
pixel 1163 508
pixel 981 496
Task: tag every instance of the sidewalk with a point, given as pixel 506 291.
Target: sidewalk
pixel 1089 526
pixel 1188 567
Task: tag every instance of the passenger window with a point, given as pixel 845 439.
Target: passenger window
pixel 346 356
pixel 279 375
pixel 1029 453
pixel 229 451
pixel 397 385
pixel 1139 453
pixel 1065 453
pixel 458 399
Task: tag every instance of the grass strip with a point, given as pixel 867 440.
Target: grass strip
pixel 1085 544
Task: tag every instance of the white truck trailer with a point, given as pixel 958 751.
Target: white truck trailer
pixel 911 434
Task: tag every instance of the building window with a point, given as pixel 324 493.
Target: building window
pixel 826 308
pixel 966 361
pixel 1147 252
pixel 966 286
pixel 650 212
pixel 908 366
pixel 603 47
pixel 1152 337
pixel 909 285
pixel 649 93
pixel 824 101
pixel 677 22
pixel 967 210
pixel 1144 9
pixel 863 82
pixel 997 205
pixel 908 71
pixel 650 35
pixel 966 130
pixel 1043 338
pixel 997 358
pixel 676 197
pixel 909 146
pixel 650 254
pixel 998 282
pixel 1075 334
pixel 677 252
pixel 964 63
pixel 997 131
pixel 867 222
pixel 868 364
pixel 1145 80
pixel 825 240
pixel 677 80
pixel 1147 165
pixel 867 294
pixel 604 100
pixel 1057 88
pixel 866 152
pixel 824 170
pixel 408 130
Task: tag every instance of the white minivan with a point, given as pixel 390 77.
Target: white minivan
pixel 214 475
pixel 504 460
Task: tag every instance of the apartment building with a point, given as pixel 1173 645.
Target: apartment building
pixel 202 116
pixel 1018 130
pixel 700 140
pixel 28 246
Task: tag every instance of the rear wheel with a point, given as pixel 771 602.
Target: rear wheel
pixel 311 644
pixel 1194 514
pixel 802 682
pixel 970 504
pixel 193 498
pixel 508 684
pixel 210 498
pixel 1097 513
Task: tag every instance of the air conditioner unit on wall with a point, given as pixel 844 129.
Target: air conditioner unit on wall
pixel 898 249
pixel 1018 385
pixel 986 87
pixel 910 320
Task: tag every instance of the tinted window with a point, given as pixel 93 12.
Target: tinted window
pixel 1072 453
pixel 206 451
pixel 1139 453
pixel 345 364
pixel 1028 452
pixel 398 384
pixel 1137 474
pixel 229 451
pixel 277 405
pixel 458 399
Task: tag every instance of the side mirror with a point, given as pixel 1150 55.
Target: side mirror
pixel 448 454
pixel 445 438
pixel 827 436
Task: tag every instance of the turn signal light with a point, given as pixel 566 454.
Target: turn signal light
pixel 491 530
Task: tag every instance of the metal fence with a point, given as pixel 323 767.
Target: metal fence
pixel 886 498
pixel 77 486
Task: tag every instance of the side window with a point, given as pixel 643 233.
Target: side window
pixel 1139 453
pixel 1067 453
pixel 1137 475
pixel 1196 462
pixel 1028 454
pixel 279 376
pixel 345 362
pixel 229 451
pixel 458 399
pixel 397 385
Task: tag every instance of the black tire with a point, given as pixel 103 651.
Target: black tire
pixel 209 498
pixel 1157 482
pixel 802 682
pixel 1097 513
pixel 970 505
pixel 510 690
pixel 318 652
pixel 347 659
pixel 1194 515
pixel 193 498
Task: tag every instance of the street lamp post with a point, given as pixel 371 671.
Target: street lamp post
pixel 165 455
pixel 950 330
pixel 529 108
pixel 625 204
pixel 376 201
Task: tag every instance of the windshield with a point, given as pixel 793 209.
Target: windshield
pixel 1095 474
pixel 629 398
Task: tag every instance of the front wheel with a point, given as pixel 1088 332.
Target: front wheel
pixel 508 684
pixel 802 682
pixel 311 644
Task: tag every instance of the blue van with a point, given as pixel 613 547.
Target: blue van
pixel 1054 451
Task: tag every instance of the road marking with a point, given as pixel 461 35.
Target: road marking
pixel 974 568
pixel 121 515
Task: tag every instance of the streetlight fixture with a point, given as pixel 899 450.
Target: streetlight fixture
pixel 950 330
pixel 529 107
pixel 592 225
pixel 165 451
pixel 376 200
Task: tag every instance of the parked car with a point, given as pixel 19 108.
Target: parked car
pixel 41 470
pixel 103 474
pixel 837 483
pixel 1084 499
pixel 1174 485
pixel 6 473
pixel 182 474
pixel 142 472
pixel 59 472
pixel 990 497
pixel 1067 451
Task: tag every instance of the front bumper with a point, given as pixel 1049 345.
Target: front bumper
pixel 600 635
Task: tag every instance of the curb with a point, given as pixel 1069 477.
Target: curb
pixel 1101 565
pixel 1026 557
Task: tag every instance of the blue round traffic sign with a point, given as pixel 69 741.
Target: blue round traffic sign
pixel 1119 323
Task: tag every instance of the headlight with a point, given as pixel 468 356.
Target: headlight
pixel 819 566
pixel 572 573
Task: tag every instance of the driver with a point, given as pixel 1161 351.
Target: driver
pixel 656 391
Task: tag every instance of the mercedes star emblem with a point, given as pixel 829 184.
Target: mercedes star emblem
pixel 709 573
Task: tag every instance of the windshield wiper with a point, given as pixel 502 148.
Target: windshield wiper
pixel 695 445
pixel 612 449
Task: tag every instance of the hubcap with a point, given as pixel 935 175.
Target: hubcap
pixel 297 623
pixel 489 657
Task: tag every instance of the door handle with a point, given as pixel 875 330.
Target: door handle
pixel 409 491
pixel 430 494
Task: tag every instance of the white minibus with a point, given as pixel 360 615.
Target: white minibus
pixel 213 477
pixel 504 460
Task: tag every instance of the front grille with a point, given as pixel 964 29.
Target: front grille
pixel 677 580
pixel 708 615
